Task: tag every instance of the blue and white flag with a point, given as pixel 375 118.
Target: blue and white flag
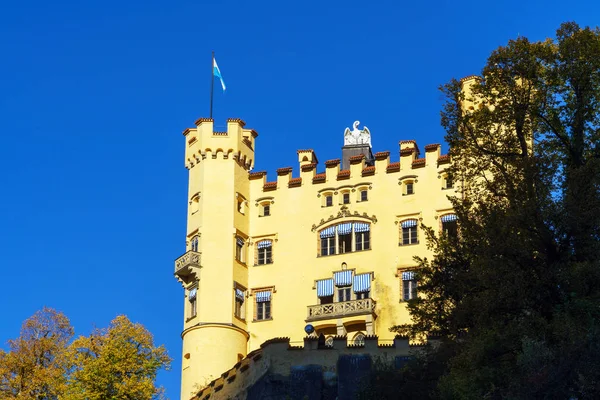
pixel 217 73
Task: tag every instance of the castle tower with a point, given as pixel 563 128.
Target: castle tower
pixel 213 269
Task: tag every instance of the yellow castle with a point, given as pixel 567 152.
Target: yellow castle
pixel 331 248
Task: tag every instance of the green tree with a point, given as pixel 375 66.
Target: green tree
pixel 118 362
pixel 36 366
pixel 517 294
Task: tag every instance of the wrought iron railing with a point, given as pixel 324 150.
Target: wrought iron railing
pixel 341 309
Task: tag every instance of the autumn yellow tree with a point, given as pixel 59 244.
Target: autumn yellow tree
pixel 118 362
pixel 37 363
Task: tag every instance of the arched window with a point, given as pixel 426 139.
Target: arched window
pixel 359 339
pixel 409 231
pixel 345 237
pixel 264 252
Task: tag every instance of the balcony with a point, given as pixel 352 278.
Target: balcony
pixel 186 266
pixel 341 309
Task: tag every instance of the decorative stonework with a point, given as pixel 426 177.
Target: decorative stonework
pixel 357 136
pixel 340 309
pixel 343 213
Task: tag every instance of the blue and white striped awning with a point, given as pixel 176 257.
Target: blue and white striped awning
pixel 343 278
pixel 409 223
pixel 193 293
pixel 328 232
pixel 325 287
pixel 264 244
pixel 362 283
pixel 361 227
pixel 408 276
pixel 345 228
pixel 262 297
pixel 240 241
pixel 449 217
pixel 239 294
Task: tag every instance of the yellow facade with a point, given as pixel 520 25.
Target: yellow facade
pixel 240 292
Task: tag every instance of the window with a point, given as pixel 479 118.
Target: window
pixel 239 249
pixel 263 305
pixel 264 252
pixel 329 341
pixel 409 188
pixel 328 200
pixel 362 240
pixel 194 244
pixel 193 299
pixel 326 299
pixel 344 238
pixel 346 198
pixel 448 181
pixel 359 339
pixel 362 286
pixel 325 291
pixel 449 225
pixel 409 232
pixel 344 294
pixel 409 286
pixel 343 282
pixel 364 195
pixel 195 204
pixel 240 297
pixel 362 296
pixel 266 210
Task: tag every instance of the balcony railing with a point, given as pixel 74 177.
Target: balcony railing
pixel 341 309
pixel 184 265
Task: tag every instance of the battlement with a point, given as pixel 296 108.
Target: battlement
pixel 204 143
pixel 280 357
pixel 409 153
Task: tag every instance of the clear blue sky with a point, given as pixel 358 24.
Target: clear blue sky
pixel 94 96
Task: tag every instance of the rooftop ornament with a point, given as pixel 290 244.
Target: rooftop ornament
pixel 357 136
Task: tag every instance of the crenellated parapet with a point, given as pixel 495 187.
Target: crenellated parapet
pixel 409 160
pixel 278 357
pixel 204 143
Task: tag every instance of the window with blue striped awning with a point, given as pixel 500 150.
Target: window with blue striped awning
pixel 262 297
pixel 362 283
pixel 239 294
pixel 361 227
pixel 449 217
pixel 409 223
pixel 325 287
pixel 345 228
pixel 343 278
pixel 192 295
pixel 263 244
pixel 408 276
pixel 328 232
pixel 240 241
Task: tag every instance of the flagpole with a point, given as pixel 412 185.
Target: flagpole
pixel 212 81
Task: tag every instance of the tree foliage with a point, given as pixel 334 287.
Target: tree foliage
pixel 36 365
pixel 118 362
pixel 517 294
